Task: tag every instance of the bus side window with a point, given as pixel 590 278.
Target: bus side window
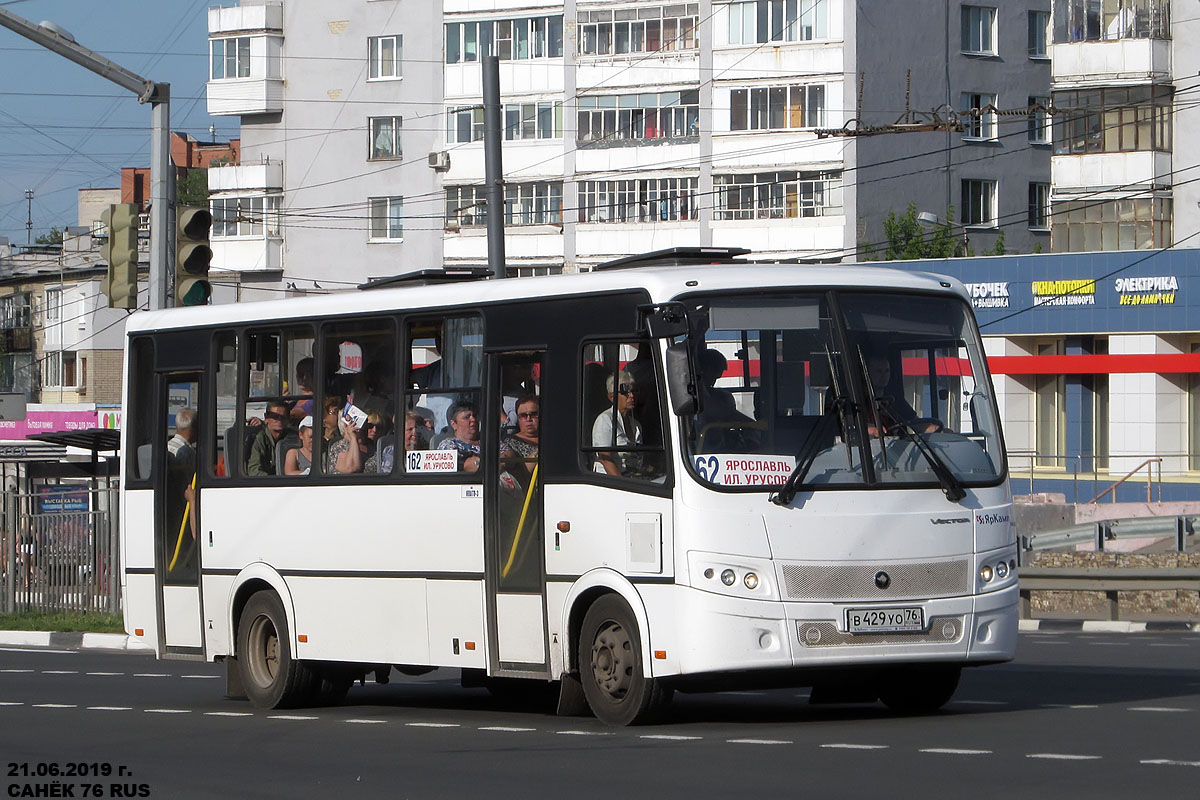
pixel 359 371
pixel 224 430
pixel 442 391
pixel 622 427
pixel 140 412
pixel 277 391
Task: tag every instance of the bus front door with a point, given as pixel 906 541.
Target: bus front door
pixel 516 578
pixel 176 534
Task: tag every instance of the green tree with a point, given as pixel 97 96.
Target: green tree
pixel 907 239
pixel 192 190
pixel 55 236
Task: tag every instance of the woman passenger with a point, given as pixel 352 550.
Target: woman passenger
pixel 298 460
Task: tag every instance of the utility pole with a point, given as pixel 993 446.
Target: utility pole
pixel 493 168
pixel 29 216
pixel 158 95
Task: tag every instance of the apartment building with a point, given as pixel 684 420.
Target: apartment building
pixel 629 125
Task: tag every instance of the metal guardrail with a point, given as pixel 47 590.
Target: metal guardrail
pixel 1181 528
pixel 1110 580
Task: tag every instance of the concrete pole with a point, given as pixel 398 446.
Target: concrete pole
pixel 493 168
pixel 162 200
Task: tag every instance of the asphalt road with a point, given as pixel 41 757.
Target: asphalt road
pixel 1076 715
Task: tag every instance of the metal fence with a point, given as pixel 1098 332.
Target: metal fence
pixel 58 550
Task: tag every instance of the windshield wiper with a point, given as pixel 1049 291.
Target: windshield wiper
pixel 950 484
pixel 809 450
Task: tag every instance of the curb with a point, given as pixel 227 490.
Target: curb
pixel 1105 626
pixel 74 640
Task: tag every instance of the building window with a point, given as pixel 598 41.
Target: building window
pixel 52 369
pixel 1039 34
pixel 14 311
pixel 533 271
pixel 979 111
pixel 246 216
pixel 646 200
pixel 385 137
pixel 230 58
pixel 979 30
pixel 534 203
pixel 777 108
pixel 758 21
pixel 1114 120
pixel 1050 415
pixel 509 39
pixel 464 124
pixel 633 118
pixel 778 195
pixel 1039 206
pixel 978 203
pixel 1039 125
pixel 639 30
pixel 384 53
pixel 53 304
pixel 387 217
pixel 1142 223
pixel 542 120
pixel 1092 21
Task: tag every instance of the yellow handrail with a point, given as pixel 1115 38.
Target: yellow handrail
pixel 512 553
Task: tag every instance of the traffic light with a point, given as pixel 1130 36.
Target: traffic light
pixel 120 284
pixel 192 256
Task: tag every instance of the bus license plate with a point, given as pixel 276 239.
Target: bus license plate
pixel 885 620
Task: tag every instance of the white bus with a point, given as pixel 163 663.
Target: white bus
pixel 752 474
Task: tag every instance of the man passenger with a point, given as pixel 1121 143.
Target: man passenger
pixel 616 427
pixel 262 451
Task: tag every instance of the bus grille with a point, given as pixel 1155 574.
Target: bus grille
pixel 942 630
pixel 836 582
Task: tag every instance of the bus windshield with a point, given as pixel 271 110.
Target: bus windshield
pixel 857 388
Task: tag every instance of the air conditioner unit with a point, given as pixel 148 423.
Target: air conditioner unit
pixel 439 161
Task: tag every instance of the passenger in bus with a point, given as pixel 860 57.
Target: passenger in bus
pixel 524 442
pixel 716 404
pixel 464 427
pixel 329 421
pixel 298 460
pixel 616 429
pixel 182 515
pixel 261 460
pixel 888 405
pixel 304 386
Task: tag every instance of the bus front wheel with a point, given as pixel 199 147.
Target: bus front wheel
pixel 919 690
pixel 611 666
pixel 270 676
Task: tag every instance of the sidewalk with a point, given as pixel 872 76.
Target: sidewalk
pixel 74 641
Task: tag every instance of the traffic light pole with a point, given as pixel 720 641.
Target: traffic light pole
pixel 147 91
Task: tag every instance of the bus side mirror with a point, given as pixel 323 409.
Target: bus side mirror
pixel 666 321
pixel 681 381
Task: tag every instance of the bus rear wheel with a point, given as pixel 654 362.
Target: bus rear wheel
pixel 270 676
pixel 919 690
pixel 611 666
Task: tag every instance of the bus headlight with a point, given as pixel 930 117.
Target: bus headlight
pixel 1001 569
pixel 985 573
pixel 728 578
pixel 751 581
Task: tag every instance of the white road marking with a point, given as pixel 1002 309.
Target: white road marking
pixel 168 711
pixel 670 738
pixel 1109 644
pixel 1168 645
pixel 1157 708
pixel 1063 756
pixel 505 729
pixel 758 741
pixel 60 672
pixel 955 751
pixel 843 746
pixel 584 733
pixel 433 724
pixel 105 673
pixel 1049 641
pixel 228 714
pixel 16 670
pixel 208 677
pixel 55 705
pixel 366 721
pixel 109 708
pixel 36 650
pixel 9 703
pixel 1068 705
pixel 151 675
pixel 290 716
pixel 980 702
pixel 1169 762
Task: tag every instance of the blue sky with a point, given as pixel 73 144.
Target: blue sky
pixel 63 128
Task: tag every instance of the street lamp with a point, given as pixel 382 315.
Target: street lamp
pixel 925 218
